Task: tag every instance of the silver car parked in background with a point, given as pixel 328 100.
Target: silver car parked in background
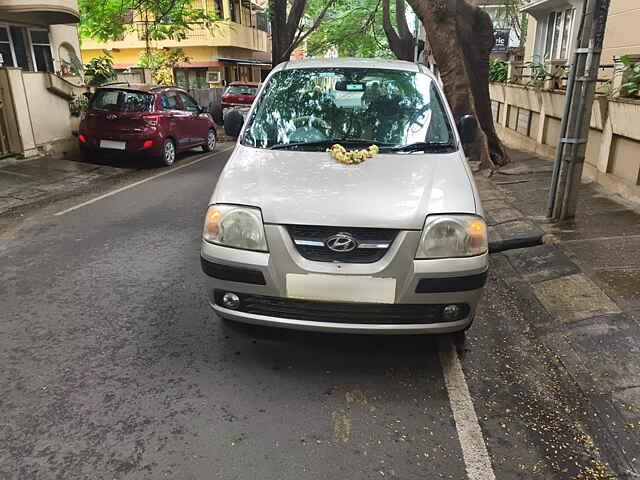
pixel 387 239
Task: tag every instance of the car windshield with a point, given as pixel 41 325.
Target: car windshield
pixel 241 90
pixel 121 101
pixel 305 108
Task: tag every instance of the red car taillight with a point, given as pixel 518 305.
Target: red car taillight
pixel 82 138
pixel 147 144
pixel 151 120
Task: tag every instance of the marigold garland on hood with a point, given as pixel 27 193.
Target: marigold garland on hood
pixel 341 154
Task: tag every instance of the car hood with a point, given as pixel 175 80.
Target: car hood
pixel 311 188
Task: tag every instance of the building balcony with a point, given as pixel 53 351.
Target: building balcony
pixel 227 34
pixel 40 12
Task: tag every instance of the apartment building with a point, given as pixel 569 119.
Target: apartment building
pixel 237 49
pixel 553 28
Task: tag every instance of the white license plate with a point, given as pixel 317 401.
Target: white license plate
pixel 113 144
pixel 341 288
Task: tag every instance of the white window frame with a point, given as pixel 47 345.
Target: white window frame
pixel 213 72
pixel 33 50
pixel 560 38
pixel 13 52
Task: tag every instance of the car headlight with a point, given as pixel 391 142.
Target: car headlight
pixel 235 226
pixel 447 236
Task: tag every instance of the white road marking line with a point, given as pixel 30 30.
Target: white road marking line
pixel 474 449
pixel 144 180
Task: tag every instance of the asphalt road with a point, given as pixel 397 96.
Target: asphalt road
pixel 114 367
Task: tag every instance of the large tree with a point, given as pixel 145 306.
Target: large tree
pixel 292 21
pixel 461 38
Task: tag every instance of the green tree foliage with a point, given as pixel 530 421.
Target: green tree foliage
pixel 105 20
pixel 161 63
pixel 99 69
pixel 353 27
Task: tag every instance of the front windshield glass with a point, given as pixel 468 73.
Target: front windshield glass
pixel 387 107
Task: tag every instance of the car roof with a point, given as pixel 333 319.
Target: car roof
pixel 244 84
pixel 138 87
pixel 368 63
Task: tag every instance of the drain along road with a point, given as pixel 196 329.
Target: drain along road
pixel 114 367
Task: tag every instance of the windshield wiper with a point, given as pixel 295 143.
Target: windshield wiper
pixel 422 147
pixel 301 144
pixel 330 142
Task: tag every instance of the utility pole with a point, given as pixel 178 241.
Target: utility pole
pixel 574 129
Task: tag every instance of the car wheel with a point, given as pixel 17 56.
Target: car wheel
pixel 168 155
pixel 210 146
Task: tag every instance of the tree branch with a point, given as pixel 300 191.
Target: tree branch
pixel 392 36
pixel 295 14
pixel 300 38
pixel 401 20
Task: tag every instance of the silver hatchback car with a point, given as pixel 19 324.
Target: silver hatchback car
pixel 348 205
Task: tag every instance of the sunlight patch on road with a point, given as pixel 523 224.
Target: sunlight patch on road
pixel 341 426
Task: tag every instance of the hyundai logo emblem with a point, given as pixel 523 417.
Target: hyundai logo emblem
pixel 341 242
pixel 112 116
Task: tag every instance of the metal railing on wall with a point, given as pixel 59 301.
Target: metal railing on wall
pixel 553 75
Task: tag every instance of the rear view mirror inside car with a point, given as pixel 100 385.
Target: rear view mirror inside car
pixel 350 86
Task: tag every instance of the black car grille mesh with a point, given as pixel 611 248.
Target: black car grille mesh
pixel 338 312
pixel 320 253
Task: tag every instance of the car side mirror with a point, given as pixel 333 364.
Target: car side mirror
pixel 233 121
pixel 468 129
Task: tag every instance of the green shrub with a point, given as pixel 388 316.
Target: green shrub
pixel 498 71
pixel 100 69
pixel 631 72
pixel 77 105
pixel 539 73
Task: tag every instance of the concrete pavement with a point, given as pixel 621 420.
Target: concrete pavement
pixel 588 283
pixel 42 180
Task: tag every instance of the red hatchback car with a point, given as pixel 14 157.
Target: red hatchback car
pixel 239 94
pixel 158 121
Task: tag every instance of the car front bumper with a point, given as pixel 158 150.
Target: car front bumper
pixel 262 279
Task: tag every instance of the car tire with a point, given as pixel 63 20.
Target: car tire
pixel 168 153
pixel 211 142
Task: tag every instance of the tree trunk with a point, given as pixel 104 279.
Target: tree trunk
pixel 461 38
pixel 280 35
pixel 475 31
pixel 402 43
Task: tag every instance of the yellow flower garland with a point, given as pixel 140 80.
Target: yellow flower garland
pixel 340 153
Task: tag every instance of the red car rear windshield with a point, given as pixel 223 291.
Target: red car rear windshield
pixel 121 101
pixel 241 90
